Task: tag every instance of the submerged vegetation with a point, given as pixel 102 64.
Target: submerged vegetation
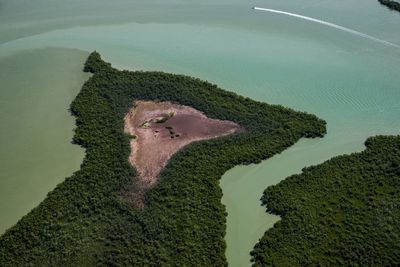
pixel 345 211
pixel 84 221
pixel 393 5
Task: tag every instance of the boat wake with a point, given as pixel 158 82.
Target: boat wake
pixel 328 24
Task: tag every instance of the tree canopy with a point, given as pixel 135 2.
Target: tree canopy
pixel 344 212
pixel 392 5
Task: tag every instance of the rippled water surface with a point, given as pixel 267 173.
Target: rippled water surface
pixel 350 81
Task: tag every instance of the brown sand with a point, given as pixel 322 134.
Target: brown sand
pixel 160 129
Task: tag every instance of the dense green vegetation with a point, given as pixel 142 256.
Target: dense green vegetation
pixel 393 5
pixel 83 221
pixel 344 212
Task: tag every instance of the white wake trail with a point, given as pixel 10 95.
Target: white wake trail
pixel 327 24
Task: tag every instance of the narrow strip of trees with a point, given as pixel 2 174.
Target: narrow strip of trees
pixel 392 5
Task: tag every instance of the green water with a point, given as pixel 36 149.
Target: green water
pixel 351 82
pixel 36 128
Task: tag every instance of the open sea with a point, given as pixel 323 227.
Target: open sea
pixel 337 59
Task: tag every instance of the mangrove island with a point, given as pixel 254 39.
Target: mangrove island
pixel 147 192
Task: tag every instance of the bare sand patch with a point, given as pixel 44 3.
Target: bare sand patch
pixel 159 130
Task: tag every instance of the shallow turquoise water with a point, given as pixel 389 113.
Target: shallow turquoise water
pixel 351 82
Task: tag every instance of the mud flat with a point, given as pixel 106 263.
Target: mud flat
pixel 159 130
